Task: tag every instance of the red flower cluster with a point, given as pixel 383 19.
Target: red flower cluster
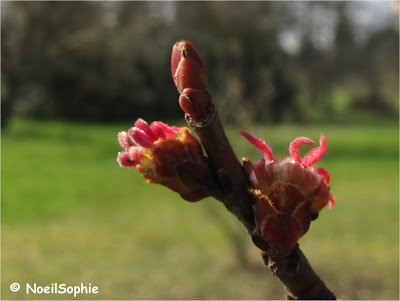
pixel 167 155
pixel 287 191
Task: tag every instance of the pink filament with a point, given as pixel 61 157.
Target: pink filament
pixel 315 154
pixel 260 144
pixel 331 201
pixel 324 173
pixel 140 137
pixel 124 160
pixel 294 147
pixel 142 125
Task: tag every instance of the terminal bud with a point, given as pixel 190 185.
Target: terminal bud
pixel 187 67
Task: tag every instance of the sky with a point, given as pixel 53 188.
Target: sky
pixel 368 16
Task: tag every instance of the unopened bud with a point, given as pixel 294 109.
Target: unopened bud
pixel 187 67
pixel 194 102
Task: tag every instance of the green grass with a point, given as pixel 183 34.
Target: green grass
pixel 71 215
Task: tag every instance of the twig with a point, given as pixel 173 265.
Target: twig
pixel 298 276
pixel 230 173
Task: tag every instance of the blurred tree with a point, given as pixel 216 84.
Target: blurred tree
pixel 34 36
pixel 380 75
pixel 358 71
pixel 109 61
pixel 93 68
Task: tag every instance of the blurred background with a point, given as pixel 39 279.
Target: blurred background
pixel 74 74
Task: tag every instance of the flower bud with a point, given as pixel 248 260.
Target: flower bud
pixel 289 192
pixel 187 67
pixel 194 102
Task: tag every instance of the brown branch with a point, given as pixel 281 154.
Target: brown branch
pixel 292 269
pixel 229 171
pixel 297 275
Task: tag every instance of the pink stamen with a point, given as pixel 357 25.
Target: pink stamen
pixel 124 160
pixel 135 154
pixel 140 137
pixel 294 147
pixel 174 128
pixel 315 154
pixel 157 129
pixel 169 131
pixel 260 144
pixel 124 140
pixel 142 125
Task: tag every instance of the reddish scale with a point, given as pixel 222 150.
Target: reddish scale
pixel 195 102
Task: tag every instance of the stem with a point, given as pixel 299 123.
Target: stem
pixel 223 160
pixel 298 276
